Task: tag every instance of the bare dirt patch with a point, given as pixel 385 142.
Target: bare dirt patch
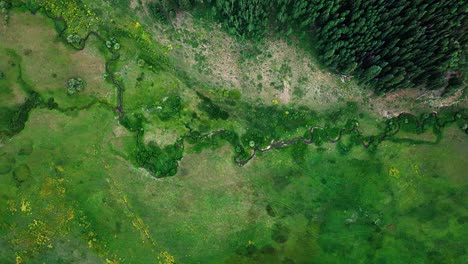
pixel 280 73
pixel 404 101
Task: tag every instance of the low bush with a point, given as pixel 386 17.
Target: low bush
pixel 75 85
pixel 213 110
pixel 162 162
pixel 170 108
pixel 18 118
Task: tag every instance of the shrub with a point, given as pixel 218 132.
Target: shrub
pixel 213 110
pixel 454 84
pixel 113 44
pixel 21 174
pixel 254 137
pixel 51 104
pixel 162 162
pixel 409 123
pixel 75 85
pixel 132 122
pixel 141 63
pixel 170 108
pixel 73 39
pixel 19 117
pixel 298 152
pixel 6 164
pixel 166 9
pixel 4 5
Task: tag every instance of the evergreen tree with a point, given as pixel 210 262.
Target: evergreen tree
pixel 390 44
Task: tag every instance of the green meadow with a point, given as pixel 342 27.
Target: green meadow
pixel 152 155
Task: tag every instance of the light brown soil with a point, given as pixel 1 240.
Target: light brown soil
pixel 260 78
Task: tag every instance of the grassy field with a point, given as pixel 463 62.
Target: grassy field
pixel 72 190
pixel 46 64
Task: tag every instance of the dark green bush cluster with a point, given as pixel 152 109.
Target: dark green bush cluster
pixel 19 117
pixel 132 122
pixel 21 174
pixel 166 9
pixel 51 104
pixel 73 38
pixel 212 109
pixel 298 152
pixel 170 108
pixel 5 114
pixel 455 82
pixel 267 123
pixel 241 152
pixel 255 137
pixel 27 5
pixel 201 142
pixel 4 8
pixel 75 85
pixel 162 162
pixel 113 44
pixel 410 123
pixel 319 136
pixel 6 163
pixel 4 5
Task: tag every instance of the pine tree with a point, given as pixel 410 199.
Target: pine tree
pixel 388 43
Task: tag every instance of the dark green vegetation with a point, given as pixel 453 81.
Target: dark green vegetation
pixel 84 178
pixel 75 85
pixel 395 44
pixel 166 9
pixel 19 116
pixel 388 44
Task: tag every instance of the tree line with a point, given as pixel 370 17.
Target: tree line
pixel 389 44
